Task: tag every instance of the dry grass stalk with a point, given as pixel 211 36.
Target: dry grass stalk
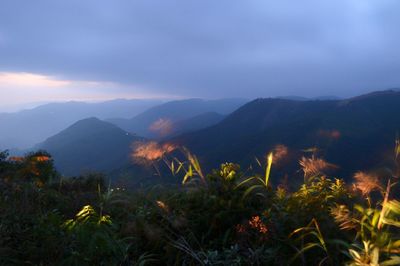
pixel 280 153
pixel 342 216
pixel 147 152
pixel 366 183
pixel 314 166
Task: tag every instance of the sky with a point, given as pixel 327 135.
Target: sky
pixel 95 49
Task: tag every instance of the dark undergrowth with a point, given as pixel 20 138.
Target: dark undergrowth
pixel 220 218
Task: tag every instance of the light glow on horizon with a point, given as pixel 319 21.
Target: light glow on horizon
pixel 23 88
pixel 23 79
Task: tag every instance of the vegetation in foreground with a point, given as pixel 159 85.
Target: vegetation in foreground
pixel 221 218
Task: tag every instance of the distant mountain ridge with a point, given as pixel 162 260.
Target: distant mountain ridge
pixel 355 133
pixel 197 122
pixel 89 145
pixel 93 144
pixel 158 122
pixel 319 98
pixel 26 128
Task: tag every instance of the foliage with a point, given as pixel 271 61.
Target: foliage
pixel 91 240
pixel 225 217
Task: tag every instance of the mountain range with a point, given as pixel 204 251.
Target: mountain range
pixel 89 145
pixel 26 128
pixel 98 145
pixel 164 120
pixel 354 134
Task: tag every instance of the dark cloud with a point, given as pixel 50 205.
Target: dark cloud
pixel 209 48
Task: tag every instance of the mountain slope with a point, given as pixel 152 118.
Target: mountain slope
pixel 157 122
pixel 26 128
pixel 196 123
pixel 355 134
pixel 89 145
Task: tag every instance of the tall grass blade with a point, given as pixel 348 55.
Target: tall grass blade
pixel 268 170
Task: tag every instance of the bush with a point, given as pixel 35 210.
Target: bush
pixel 223 218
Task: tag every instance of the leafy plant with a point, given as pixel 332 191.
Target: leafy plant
pixel 260 183
pixel 91 240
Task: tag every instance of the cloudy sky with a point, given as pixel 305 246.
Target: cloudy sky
pixel 94 49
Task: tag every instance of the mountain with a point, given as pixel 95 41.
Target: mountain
pixel 196 123
pixel 158 122
pixel 25 128
pixel 299 98
pixel 355 134
pixel 89 145
pixel 327 98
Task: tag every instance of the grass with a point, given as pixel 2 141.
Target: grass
pixel 224 217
